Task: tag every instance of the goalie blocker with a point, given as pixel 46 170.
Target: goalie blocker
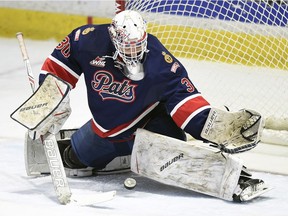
pixel 47 109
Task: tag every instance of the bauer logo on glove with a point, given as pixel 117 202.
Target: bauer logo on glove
pixel 47 109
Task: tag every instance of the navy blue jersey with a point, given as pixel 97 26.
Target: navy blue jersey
pixel 117 103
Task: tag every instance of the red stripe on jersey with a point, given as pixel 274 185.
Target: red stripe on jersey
pixel 188 108
pixel 123 127
pixel 110 132
pixel 52 67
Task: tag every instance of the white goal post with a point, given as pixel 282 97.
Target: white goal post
pixel 240 46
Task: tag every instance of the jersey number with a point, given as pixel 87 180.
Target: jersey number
pixel 188 84
pixel 64 47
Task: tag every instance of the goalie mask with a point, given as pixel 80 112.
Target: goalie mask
pixel 128 34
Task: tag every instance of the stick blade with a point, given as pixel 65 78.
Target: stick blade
pixel 92 199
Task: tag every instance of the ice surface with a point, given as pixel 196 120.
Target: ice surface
pixel 23 195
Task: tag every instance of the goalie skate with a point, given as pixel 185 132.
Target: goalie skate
pixel 250 189
pixel 118 165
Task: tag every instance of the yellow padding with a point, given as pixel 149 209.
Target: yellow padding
pixel 40 25
pixel 224 46
pixel 187 42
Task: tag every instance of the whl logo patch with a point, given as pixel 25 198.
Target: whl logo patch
pixel 98 62
pixel 103 82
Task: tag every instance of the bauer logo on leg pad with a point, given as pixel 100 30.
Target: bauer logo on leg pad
pixel 178 157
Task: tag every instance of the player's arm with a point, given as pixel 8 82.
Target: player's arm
pixel 231 132
pixel 64 60
pixel 49 107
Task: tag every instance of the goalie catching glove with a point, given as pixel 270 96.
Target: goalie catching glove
pixel 47 109
pixel 233 132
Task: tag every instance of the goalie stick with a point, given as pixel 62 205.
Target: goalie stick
pixel 53 156
pixel 51 149
pixel 25 57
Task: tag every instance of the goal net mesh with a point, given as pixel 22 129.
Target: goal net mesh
pixel 236 52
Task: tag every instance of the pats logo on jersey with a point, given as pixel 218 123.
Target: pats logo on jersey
pixel 109 89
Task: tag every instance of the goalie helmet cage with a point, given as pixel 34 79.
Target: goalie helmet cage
pixel 240 46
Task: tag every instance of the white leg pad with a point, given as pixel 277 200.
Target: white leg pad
pixel 193 166
pixel 35 160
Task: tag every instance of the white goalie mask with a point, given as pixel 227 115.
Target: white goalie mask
pixel 128 34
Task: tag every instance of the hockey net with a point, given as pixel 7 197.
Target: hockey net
pixel 236 52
